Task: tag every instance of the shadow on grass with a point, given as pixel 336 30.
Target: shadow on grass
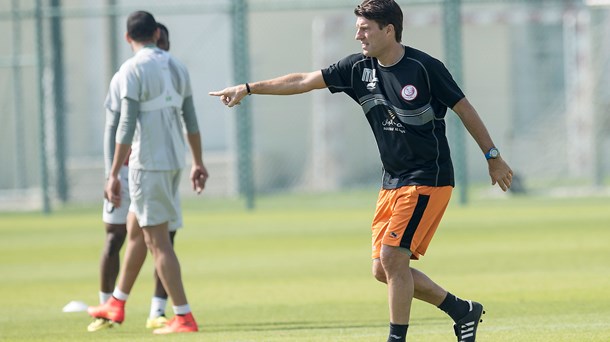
pixel 309 325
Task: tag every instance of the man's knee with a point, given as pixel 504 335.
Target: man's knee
pixel 378 271
pixel 394 260
pixel 157 238
pixel 115 237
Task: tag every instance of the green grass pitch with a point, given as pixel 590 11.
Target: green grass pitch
pixel 298 269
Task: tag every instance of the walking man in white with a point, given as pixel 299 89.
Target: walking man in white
pixel 115 219
pixel 156 98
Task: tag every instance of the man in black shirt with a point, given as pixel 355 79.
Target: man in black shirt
pixel 404 94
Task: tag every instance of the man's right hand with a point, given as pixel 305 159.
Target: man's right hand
pixel 112 192
pixel 231 96
pixel 199 175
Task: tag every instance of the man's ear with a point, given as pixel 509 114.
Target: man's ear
pixel 157 35
pixel 127 37
pixel 389 29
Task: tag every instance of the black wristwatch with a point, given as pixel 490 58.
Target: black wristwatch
pixel 493 153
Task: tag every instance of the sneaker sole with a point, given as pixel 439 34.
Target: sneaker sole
pixel 106 325
pixel 165 332
pixel 155 324
pixel 106 317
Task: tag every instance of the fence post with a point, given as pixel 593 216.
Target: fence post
pixel 44 172
pixel 241 69
pixel 452 34
pixel 20 164
pixel 63 190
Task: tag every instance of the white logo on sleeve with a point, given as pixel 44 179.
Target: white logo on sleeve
pixel 370 78
pixel 408 92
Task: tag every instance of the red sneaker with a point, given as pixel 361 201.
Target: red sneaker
pixel 179 324
pixel 113 310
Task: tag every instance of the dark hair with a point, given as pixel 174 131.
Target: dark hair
pixel 163 28
pixel 383 12
pixel 141 26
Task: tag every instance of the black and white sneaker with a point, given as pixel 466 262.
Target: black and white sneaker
pixel 466 328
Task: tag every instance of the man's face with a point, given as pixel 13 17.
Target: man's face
pixel 373 39
pixel 163 42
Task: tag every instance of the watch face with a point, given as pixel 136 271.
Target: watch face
pixel 493 153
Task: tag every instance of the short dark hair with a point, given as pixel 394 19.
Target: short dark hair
pixel 141 26
pixel 383 12
pixel 163 28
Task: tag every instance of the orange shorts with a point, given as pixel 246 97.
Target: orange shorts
pixel 407 217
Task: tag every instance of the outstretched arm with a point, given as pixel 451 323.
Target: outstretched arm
pixel 499 171
pixel 290 84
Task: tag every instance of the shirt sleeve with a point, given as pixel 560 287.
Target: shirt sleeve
pixel 189 116
pixel 110 129
pixel 442 84
pixel 113 98
pixel 127 121
pixel 339 76
pixel 188 91
pixel 129 82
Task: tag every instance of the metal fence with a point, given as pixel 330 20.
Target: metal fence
pixel 536 71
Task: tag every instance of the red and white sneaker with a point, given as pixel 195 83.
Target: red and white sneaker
pixel 113 310
pixel 179 324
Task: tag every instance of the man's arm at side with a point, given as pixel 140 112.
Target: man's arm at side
pixel 290 84
pixel 124 135
pixel 199 174
pixel 499 171
pixel 473 123
pixel 110 128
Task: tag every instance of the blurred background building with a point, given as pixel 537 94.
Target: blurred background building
pixel 537 71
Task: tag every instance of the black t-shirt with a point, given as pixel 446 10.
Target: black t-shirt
pixel 405 105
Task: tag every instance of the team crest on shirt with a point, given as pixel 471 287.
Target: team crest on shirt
pixel 409 92
pixel 370 78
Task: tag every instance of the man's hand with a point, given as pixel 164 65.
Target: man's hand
pixel 199 175
pixel 231 96
pixel 500 173
pixel 112 192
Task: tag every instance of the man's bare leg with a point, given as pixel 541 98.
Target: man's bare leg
pixel 166 262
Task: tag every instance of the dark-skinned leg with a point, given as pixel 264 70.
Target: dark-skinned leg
pixel 110 261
